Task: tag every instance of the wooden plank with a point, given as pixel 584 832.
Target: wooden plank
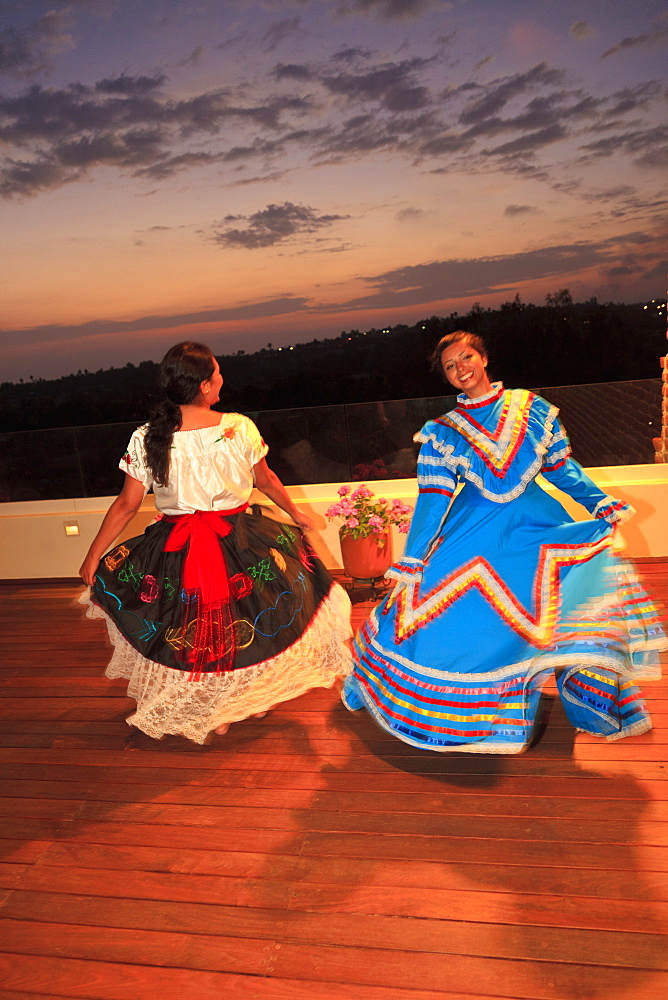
pixel 175 949
pixel 527 942
pixel 104 779
pixel 316 726
pixel 479 905
pixel 473 804
pixel 453 850
pixel 10 873
pixel 348 874
pixel 423 825
pixel 543 980
pixel 18 851
pixel 117 981
pixel 444 765
pixel 187 887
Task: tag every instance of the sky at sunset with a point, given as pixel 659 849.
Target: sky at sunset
pixel 251 171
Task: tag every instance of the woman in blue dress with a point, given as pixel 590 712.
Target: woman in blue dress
pixel 499 588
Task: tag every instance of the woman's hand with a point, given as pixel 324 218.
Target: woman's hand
pixel 88 569
pixel 302 521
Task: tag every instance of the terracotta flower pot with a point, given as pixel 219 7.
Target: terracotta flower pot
pixel 365 558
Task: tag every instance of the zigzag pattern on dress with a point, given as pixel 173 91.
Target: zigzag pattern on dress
pixel 414 611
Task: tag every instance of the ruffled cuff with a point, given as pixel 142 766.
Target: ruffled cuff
pixel 406 570
pixel 613 511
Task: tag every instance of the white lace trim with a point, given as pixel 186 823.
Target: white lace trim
pixel 464 400
pixel 618 516
pixel 169 703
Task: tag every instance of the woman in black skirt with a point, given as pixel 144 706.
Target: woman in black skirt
pixel 217 612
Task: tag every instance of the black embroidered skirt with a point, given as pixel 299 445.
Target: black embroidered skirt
pixel 280 628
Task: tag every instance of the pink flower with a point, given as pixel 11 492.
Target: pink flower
pixel 362 513
pixel 361 493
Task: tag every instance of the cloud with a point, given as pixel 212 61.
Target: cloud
pixel 390 10
pixel 289 27
pixel 51 334
pixel 439 281
pixel 496 95
pixel 658 35
pixel 648 146
pixel 59 135
pixel 27 52
pixel 351 54
pixel 515 210
pixel 273 225
pixel 410 214
pixel 354 106
pixel 130 86
pixel 292 71
pixel 529 143
pixel 391 85
pixel 580 31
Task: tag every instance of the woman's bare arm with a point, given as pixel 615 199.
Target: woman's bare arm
pixel 120 513
pixel 269 483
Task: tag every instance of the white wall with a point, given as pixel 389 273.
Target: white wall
pixel 33 543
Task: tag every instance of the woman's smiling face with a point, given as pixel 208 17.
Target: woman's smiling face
pixel 465 369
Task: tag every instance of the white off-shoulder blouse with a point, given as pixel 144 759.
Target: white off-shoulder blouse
pixel 210 468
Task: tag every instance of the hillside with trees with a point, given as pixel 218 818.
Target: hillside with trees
pixel 559 343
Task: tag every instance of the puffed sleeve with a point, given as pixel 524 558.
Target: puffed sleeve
pixel 133 461
pixel 560 469
pixel 254 444
pixel 436 487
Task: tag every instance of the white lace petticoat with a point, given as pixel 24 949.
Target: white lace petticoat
pixel 169 703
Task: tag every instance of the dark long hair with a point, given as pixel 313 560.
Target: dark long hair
pixel 182 370
pixel 452 338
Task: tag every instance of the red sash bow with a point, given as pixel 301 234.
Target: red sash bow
pixel 206 584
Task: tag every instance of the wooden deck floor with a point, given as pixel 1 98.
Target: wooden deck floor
pixel 307 856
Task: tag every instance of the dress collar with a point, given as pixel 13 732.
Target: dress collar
pixel 495 393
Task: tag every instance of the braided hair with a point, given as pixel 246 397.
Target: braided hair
pixel 182 370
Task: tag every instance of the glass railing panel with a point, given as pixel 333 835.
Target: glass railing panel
pixel 381 435
pixel 39 465
pixel 306 445
pixel 610 423
pixel 100 447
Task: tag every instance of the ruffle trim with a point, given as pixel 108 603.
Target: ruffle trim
pixel 613 511
pixel 168 703
pixel 490 397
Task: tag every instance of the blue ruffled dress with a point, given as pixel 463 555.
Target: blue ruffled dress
pixel 499 588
